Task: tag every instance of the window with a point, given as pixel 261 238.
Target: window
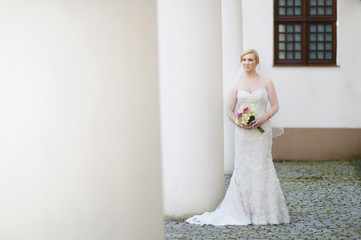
pixel 305 32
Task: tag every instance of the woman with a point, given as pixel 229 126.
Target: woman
pixel 254 195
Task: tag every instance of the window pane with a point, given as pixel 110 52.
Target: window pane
pixel 289 46
pixel 290 55
pixel 321 11
pixel 329 11
pixel 320 55
pixel 321 28
pixel 312 10
pixel 297 55
pixel 312 55
pixel 312 46
pixel 282 11
pixel 312 37
pixel 290 7
pixel 298 2
pixel 318 42
pixel 282 46
pixel 289 11
pixel 328 28
pixel 328 55
pixel 313 28
pixel 320 37
pixel 290 28
pixel 328 46
pixel 320 46
pixel 281 28
pixel 289 41
pixel 281 37
pixel 321 7
pixel 281 55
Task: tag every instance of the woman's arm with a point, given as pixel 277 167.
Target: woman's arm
pixel 273 100
pixel 232 101
pixel 272 96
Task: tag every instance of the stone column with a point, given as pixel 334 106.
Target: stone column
pixel 232 48
pixel 80 135
pixel 190 53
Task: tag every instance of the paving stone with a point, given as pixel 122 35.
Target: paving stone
pixel 323 198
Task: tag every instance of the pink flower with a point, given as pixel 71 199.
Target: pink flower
pixel 239 115
pixel 245 109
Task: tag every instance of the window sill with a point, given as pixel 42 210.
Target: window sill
pixel 312 66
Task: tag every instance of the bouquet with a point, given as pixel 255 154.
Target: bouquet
pixel 246 116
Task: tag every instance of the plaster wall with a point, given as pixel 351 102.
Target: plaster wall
pixel 190 73
pixel 80 141
pixel 231 49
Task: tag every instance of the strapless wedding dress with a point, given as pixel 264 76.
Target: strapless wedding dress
pixel 254 195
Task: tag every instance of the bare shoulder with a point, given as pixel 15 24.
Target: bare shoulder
pixel 268 83
pixel 235 87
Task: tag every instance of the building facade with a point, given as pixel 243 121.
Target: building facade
pixel 318 103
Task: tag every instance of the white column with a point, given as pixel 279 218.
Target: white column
pixel 80 141
pixel 191 104
pixel 232 48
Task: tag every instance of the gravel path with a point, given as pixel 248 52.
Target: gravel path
pixel 324 201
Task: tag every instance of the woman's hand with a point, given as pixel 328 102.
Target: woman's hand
pixel 247 126
pixel 257 122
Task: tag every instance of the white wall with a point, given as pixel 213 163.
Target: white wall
pixel 80 152
pixel 311 96
pixel 231 50
pixel 190 64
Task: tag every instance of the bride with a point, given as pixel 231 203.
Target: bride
pixel 254 195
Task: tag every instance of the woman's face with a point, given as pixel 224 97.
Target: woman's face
pixel 249 62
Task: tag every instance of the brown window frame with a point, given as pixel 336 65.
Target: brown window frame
pixel 305 20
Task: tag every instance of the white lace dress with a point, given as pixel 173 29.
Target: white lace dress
pixel 254 195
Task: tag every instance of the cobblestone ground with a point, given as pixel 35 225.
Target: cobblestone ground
pixel 324 201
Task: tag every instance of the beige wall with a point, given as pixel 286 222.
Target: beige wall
pixel 318 144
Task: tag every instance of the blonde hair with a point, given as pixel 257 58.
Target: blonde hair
pixel 256 56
